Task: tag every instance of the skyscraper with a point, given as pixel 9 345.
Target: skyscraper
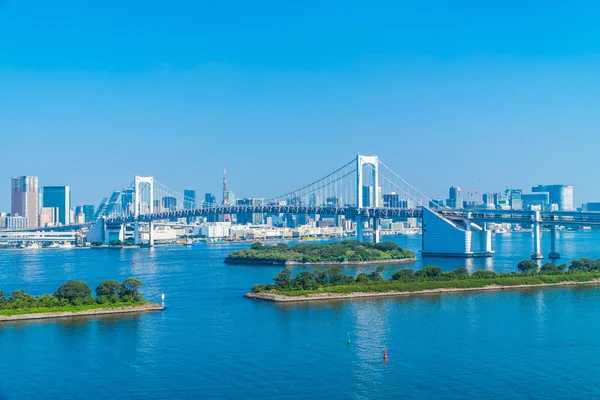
pixel 454 198
pixel 189 199
pixel 59 197
pixel 562 195
pixel 209 200
pixel 24 199
pixel 367 196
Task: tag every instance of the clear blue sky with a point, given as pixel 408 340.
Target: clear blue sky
pixel 482 94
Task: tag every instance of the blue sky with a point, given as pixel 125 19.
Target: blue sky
pixel 480 94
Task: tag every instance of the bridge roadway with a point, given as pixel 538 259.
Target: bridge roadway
pixel 498 216
pixel 348 211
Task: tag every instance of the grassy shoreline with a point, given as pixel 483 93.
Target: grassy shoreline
pixel 77 311
pixel 395 288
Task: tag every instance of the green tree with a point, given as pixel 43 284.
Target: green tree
pixel 73 290
pixel 461 272
pixel 282 279
pixel 429 272
pixel 403 274
pixel 257 246
pixel 129 289
pixel 484 274
pixel 527 266
pixel 362 278
pixel 549 267
pixel 108 288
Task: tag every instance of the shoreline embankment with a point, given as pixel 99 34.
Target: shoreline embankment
pixel 369 295
pixel 148 307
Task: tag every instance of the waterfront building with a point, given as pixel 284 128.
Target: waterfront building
pixel 59 197
pixel 128 200
pixel 49 216
pixel 454 198
pixel 88 211
pixel 17 222
pixel 562 195
pixel 536 201
pixel 24 197
pixel 590 207
pixel 515 198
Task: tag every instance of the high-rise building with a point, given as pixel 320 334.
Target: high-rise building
pixel 391 200
pixel 367 196
pixel 127 200
pixel 169 203
pixel 88 211
pixel 561 195
pixel 536 201
pixel 48 216
pixel 249 217
pixel 189 199
pixel 59 197
pixel 209 199
pixel 24 199
pixel 454 198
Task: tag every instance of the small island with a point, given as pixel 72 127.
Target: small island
pixel 334 284
pixel 73 299
pixel 348 252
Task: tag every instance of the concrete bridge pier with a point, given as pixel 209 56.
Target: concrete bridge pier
pixel 360 225
pixel 136 233
pixel 376 230
pixel 537 245
pixel 554 255
pixel 485 239
pixel 151 233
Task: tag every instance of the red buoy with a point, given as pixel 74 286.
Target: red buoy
pixel 385 356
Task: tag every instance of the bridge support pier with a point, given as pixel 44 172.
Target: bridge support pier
pixel 360 225
pixel 537 246
pixel 554 255
pixel 151 233
pixel 485 239
pixel 136 233
pixel 376 230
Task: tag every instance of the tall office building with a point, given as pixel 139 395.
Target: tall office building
pixel 391 200
pixel 249 217
pixel 169 203
pixel 210 199
pixel 24 199
pixel 561 195
pixel 189 199
pixel 59 197
pixel 367 196
pixel 454 198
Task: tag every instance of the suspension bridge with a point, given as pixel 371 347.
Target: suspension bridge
pixel 363 190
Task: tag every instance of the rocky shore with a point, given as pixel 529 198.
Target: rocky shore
pixel 359 295
pixel 69 314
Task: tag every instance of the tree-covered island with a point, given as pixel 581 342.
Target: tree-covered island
pixel 343 253
pixel 333 283
pixel 75 297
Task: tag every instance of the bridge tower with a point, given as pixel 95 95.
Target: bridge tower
pixel 372 161
pixel 140 183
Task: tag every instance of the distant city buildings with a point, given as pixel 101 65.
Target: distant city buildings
pixel 454 198
pixel 189 199
pixel 24 199
pixel 58 197
pixel 561 195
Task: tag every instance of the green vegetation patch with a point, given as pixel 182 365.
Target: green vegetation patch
pixel 346 251
pixel 74 296
pixel 334 281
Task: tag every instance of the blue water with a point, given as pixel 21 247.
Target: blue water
pixel 212 343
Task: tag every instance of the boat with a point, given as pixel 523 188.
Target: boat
pixel 309 238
